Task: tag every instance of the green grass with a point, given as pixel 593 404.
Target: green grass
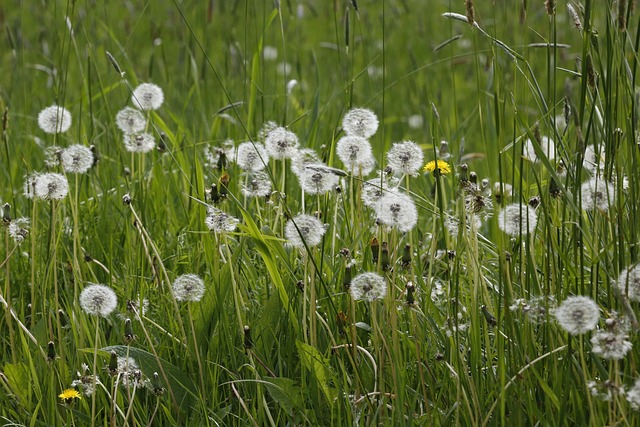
pixel 459 355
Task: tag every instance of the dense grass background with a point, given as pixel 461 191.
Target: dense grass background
pixel 440 361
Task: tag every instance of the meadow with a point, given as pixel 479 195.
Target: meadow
pixel 297 212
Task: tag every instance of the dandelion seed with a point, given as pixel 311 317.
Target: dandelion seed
pixel 98 300
pixel 259 185
pixel 611 345
pixel 47 186
pixel 188 287
pixel 374 189
pixel 597 193
pixel 516 219
pixel 633 396
pixel 69 395
pixel 76 159
pixel 219 221
pixel 546 144
pixel 265 129
pixel 360 122
pixel 397 210
pixel 304 229
pixel 578 314
pixel 442 166
pixel 18 229
pixel 405 157
pixel 281 143
pixel 303 158
pixel 317 180
pixel 629 282
pixel 147 96
pixel 139 143
pixel 368 287
pixel 130 120
pixel 356 154
pixel 54 119
pixel 252 157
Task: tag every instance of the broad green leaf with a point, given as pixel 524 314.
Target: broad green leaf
pixel 319 367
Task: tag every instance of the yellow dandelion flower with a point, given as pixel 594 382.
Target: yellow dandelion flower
pixel 68 395
pixel 442 166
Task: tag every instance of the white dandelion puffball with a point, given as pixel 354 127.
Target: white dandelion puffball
pixel 130 120
pixel 629 282
pixel 578 314
pixel 517 219
pixel 76 159
pixel 252 157
pixel 317 180
pixel 139 143
pixel 147 96
pixel 406 158
pixel 281 143
pixel 188 287
pixel 98 300
pixel 368 287
pixel 360 122
pixel 546 144
pixel 54 119
pixel 219 221
pixel 50 186
pixel 356 154
pixel 610 345
pixel 597 193
pixel 309 229
pixel 397 210
pixel 258 185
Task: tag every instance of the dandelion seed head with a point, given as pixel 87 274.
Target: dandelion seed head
pixel 281 143
pixel 633 396
pixel 593 162
pixel 188 287
pixel 516 219
pixel 302 158
pixel 374 189
pixel 267 127
pixel 309 229
pixel 360 122
pixel 49 186
pixel 356 154
pixel 258 185
pixel 415 121
pixel 252 157
pixel 405 157
pixel 578 314
pixel 270 53
pixel 597 193
pixel 147 96
pixel 130 120
pixel 76 159
pixel 219 221
pixel 368 287
pixel 212 153
pixel 18 229
pixel 546 144
pixel 52 156
pixel 397 210
pixel 54 119
pixel 610 344
pixel 139 142
pixel 317 181
pixel 628 282
pixel 98 300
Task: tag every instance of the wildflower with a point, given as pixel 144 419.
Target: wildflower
pixel 629 282
pixel 18 229
pixel 405 157
pixel 259 185
pixel 517 219
pixel 304 229
pixel 130 120
pixel 360 122
pixel 188 287
pixel 219 221
pixel 47 186
pixel 76 159
pixel 147 96
pixel 578 314
pixel 355 152
pixel 316 180
pixel 281 143
pixel 54 119
pixel 633 396
pixel 397 210
pixel 478 205
pixel 69 395
pixel 139 143
pixel 593 162
pixel 546 144
pixel 374 189
pixel 597 193
pixel 52 156
pixel 87 382
pixel 605 390
pixel 368 287
pixel 127 370
pixel 442 167
pixel 610 344
pixel 98 300
pixel 252 156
